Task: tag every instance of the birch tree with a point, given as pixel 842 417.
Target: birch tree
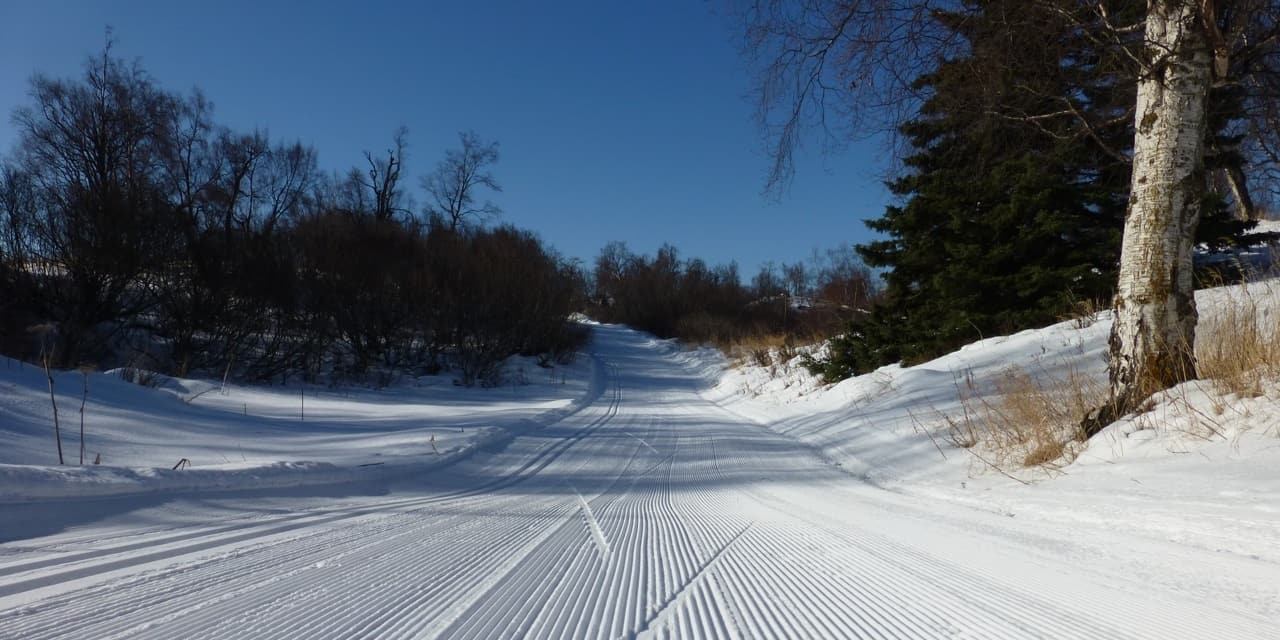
pixel 1189 47
pixel 1153 335
pixel 452 188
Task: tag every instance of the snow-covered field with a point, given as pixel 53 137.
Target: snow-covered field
pixel 237 437
pixel 649 492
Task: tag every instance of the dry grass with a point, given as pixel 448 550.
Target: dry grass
pixel 764 350
pixel 1029 421
pixel 1084 313
pixel 1238 343
pixel 1026 420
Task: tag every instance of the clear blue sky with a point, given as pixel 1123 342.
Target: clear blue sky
pixel 617 120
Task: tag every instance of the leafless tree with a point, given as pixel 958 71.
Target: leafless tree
pixel 1188 46
pixel 842 279
pixel 17 207
pixel 94 149
pixel 452 188
pixel 383 182
pixel 843 67
pixel 799 279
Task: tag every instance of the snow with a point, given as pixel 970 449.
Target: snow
pixel 254 436
pixel 1198 470
pixel 652 491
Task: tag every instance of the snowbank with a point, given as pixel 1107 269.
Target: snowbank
pixel 250 437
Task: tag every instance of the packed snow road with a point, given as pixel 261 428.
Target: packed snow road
pixel 651 512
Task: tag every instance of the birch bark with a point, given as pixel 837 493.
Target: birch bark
pixel 1151 344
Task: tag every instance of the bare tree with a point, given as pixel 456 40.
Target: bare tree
pixel 1246 31
pixel 452 187
pixel 230 191
pixel 799 279
pixel 769 281
pixel 94 149
pixel 1155 313
pixel 383 182
pixel 17 203
pixel 844 67
pixel 843 279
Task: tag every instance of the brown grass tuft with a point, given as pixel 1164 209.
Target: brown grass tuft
pixel 1238 343
pixel 1083 313
pixel 764 350
pixel 1028 421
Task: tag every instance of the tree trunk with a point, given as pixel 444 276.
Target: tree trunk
pixel 1152 339
pixel 1245 209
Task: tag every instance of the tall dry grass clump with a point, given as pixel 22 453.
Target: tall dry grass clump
pixel 1238 341
pixel 1026 421
pixel 761 349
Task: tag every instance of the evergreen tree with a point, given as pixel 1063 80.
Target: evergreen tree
pixel 1004 219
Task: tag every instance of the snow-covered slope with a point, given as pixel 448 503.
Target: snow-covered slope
pixel 1200 468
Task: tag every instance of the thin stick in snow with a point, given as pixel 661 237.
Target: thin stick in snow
pixel 84 375
pixel 226 374
pixel 593 525
pixel 57 432
pixel 919 426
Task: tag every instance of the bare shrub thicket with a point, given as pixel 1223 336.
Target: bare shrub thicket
pixel 148 236
pixel 763 350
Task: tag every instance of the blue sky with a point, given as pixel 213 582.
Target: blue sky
pixel 617 120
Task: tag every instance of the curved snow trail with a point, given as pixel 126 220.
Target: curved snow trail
pixel 648 513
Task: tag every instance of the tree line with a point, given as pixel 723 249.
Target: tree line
pixel 137 231
pixel 672 297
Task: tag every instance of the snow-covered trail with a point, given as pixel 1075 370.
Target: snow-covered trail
pixel 651 512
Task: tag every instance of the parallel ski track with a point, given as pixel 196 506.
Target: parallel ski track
pixel 66 551
pixel 294 543
pixel 793 575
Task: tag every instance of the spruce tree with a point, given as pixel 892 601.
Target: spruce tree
pixel 1005 220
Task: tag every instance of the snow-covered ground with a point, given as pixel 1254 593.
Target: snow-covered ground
pixel 237 437
pixel 652 494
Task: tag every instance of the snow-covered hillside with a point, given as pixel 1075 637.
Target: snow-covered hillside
pixel 1198 468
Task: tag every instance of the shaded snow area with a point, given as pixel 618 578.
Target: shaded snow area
pixel 249 437
pixel 654 493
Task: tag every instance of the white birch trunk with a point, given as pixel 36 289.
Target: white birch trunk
pixel 1155 315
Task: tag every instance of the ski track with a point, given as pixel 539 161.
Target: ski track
pixel 654 515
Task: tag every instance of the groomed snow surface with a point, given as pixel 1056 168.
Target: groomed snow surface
pixel 645 491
